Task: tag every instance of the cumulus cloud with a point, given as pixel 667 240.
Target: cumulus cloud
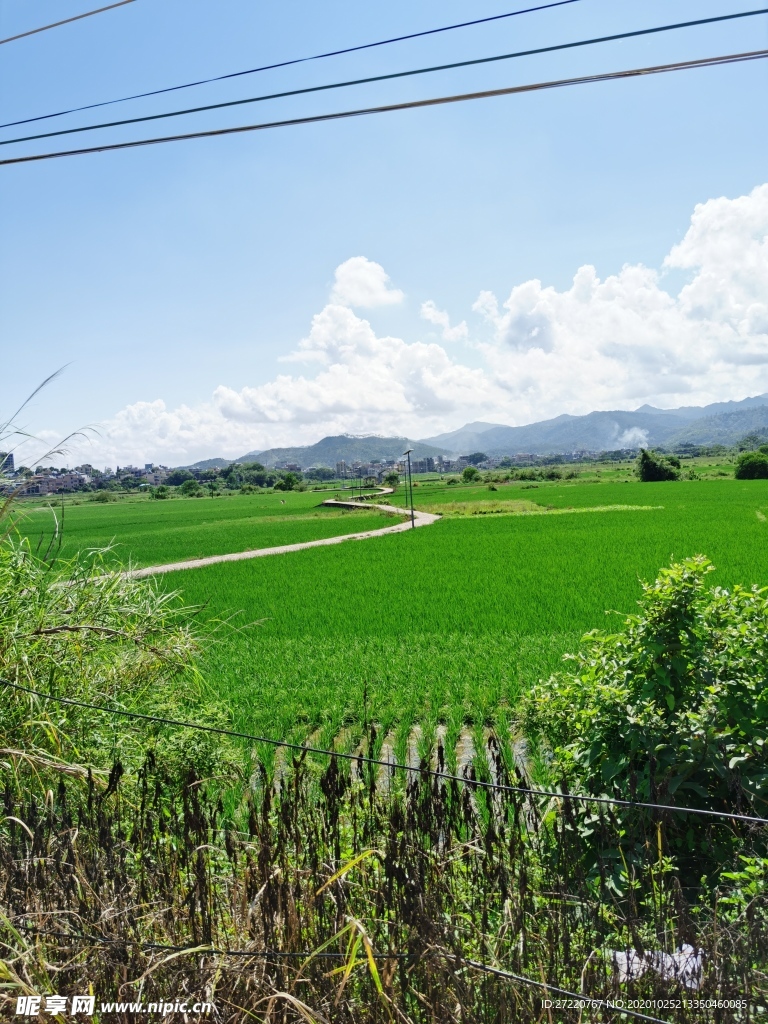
pixel 361 282
pixel 439 318
pixel 625 340
pixel 608 343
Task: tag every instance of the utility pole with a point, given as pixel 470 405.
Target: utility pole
pixel 409 483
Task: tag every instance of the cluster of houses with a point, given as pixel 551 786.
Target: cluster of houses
pixel 52 480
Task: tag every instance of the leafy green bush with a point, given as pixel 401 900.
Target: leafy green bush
pixel 178 476
pixel 191 489
pixel 288 482
pixel 103 496
pixel 752 466
pixel 673 709
pixel 469 474
pixel 651 467
pixel 159 493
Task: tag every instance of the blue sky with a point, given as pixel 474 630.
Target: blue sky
pixel 180 282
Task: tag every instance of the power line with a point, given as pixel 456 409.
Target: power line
pixel 383 78
pixel 389 108
pixel 262 954
pixel 601 1004
pixel 288 63
pixel 265 954
pixel 391 765
pixel 66 21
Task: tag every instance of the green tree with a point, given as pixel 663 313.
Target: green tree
pixel 476 458
pixel 672 709
pixel 287 482
pixel 752 466
pixel 177 477
pixel 652 467
pixel 470 473
pixel 191 489
pixel 392 479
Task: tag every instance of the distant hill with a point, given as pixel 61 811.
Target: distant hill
pixel 719 423
pixel 207 464
pixel 343 448
pixel 727 428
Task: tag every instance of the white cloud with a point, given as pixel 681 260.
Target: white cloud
pixel 361 282
pixel 599 344
pixel 430 312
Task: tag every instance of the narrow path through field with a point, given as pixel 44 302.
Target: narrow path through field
pixel 419 519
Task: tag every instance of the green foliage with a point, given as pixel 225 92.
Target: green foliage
pixel 288 482
pixel 673 709
pixel 103 497
pixel 470 473
pixel 191 489
pixel 76 629
pixel 159 493
pixel 476 458
pixel 752 466
pixel 320 473
pixel 652 468
pixel 392 480
pixel 177 477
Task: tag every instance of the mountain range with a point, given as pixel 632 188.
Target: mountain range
pixel 719 423
pixel 723 423
pixel 344 448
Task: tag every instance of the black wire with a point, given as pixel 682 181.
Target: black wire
pixel 66 21
pixel 591 1003
pixel 610 76
pixel 212 951
pixel 288 63
pixel 383 78
pixel 266 954
pixel 392 765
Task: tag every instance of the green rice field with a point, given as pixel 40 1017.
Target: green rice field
pixel 145 532
pixel 444 624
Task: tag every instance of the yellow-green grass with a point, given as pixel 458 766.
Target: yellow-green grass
pixel 152 532
pixel 449 622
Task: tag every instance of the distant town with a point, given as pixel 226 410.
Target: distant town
pixel 45 480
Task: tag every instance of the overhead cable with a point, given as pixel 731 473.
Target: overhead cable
pixel 391 765
pixel 588 1001
pixel 382 78
pixel 592 1002
pixel 288 63
pixel 65 21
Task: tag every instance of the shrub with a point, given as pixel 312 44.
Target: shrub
pixel 103 496
pixel 452 480
pixel 470 473
pixel 673 709
pixel 651 467
pixel 752 466
pixel 177 477
pixel 288 482
pixel 392 480
pixel 159 493
pixel 191 489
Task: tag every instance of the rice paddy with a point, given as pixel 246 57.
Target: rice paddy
pixel 147 532
pixel 449 623
pixel 445 624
